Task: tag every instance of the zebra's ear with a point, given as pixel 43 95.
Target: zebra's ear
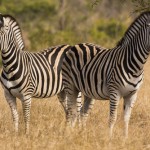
pixel 1 21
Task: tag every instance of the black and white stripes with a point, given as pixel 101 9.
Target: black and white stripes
pixel 109 73
pixel 25 74
pixel 65 70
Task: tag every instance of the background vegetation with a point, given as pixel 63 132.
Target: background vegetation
pixel 47 22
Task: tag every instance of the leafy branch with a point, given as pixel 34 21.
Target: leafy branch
pixel 95 3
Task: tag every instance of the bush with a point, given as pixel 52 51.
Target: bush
pixel 107 32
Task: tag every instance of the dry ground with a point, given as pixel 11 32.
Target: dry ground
pixel 48 126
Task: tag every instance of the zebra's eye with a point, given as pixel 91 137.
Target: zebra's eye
pixel 148 25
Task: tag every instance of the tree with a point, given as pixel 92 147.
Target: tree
pixel 141 5
pixel 138 5
pixel 62 19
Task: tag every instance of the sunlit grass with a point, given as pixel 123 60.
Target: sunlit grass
pixel 47 127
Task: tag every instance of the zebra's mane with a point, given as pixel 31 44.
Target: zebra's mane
pixel 17 32
pixel 139 19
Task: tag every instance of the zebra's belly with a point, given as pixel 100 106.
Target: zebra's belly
pixel 47 90
pixel 43 95
pixel 98 92
pixel 38 91
pixel 98 97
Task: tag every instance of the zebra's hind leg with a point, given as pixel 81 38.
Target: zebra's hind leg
pixel 13 106
pixel 72 114
pixel 87 106
pixel 79 107
pixel 63 100
pixel 128 104
pixel 26 105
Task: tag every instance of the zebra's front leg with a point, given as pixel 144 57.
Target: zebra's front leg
pixel 26 105
pixel 87 106
pixel 128 105
pixel 114 101
pixel 13 106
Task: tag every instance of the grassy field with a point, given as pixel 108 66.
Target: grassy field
pixel 47 128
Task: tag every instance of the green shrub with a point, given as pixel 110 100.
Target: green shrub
pixel 107 32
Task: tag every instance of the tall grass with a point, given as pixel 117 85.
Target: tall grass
pixel 48 131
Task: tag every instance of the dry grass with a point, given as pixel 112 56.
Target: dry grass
pixel 48 126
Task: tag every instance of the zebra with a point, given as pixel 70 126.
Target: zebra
pixel 111 74
pixel 28 74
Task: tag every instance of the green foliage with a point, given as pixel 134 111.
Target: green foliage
pixel 107 31
pixel 28 10
pixel 31 8
pixel 140 5
pixel 47 22
pixel 42 39
pixel 95 2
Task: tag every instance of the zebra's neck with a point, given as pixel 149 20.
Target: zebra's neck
pixel 135 44
pixel 10 56
pixel 135 54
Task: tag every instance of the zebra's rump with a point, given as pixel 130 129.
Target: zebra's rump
pixel 80 67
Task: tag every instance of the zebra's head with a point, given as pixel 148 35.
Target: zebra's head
pixel 10 32
pixel 138 30
pixel 146 32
